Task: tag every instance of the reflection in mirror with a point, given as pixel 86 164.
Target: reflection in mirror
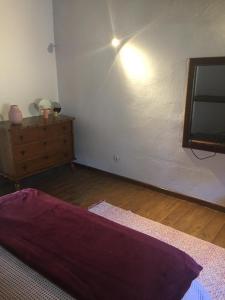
pixel 204 126
pixel 208 114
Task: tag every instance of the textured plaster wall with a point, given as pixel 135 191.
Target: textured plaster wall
pixel 138 119
pixel 27 69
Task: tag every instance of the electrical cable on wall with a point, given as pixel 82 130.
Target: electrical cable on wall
pixel 205 157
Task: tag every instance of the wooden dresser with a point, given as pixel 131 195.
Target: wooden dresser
pixel 35 145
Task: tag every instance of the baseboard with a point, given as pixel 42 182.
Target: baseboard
pixel 161 190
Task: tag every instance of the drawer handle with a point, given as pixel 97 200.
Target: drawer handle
pixel 21 137
pixel 24 167
pixel 23 152
pixel 46 157
pixel 64 128
pixel 44 143
pixel 65 154
pixel 44 128
pixel 64 141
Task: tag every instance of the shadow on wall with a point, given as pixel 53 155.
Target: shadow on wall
pixel 211 165
pixel 4 112
pixel 33 108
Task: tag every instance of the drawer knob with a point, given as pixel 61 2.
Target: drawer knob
pixel 24 167
pixel 44 143
pixel 44 128
pixel 21 137
pixel 23 152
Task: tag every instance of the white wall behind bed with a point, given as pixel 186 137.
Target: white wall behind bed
pixel 137 112
pixel 27 69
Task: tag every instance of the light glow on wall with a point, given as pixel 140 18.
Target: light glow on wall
pixel 135 63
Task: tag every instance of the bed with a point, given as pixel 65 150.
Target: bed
pixel 47 243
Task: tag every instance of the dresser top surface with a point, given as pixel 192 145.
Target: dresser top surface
pixel 35 121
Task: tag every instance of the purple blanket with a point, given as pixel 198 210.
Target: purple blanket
pixel 90 256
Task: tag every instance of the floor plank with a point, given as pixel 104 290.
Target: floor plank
pixel 220 237
pixel 212 229
pixel 194 221
pixel 182 208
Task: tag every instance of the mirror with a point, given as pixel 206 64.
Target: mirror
pixel 204 124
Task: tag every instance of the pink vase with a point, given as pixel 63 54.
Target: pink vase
pixel 15 115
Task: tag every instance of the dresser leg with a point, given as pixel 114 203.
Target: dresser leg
pixel 72 166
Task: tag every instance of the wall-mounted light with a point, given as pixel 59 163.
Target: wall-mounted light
pixel 115 42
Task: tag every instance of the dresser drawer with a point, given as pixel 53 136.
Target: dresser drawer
pixel 31 166
pixel 60 144
pixel 54 131
pixel 29 151
pixel 45 132
pixel 43 162
pixel 26 135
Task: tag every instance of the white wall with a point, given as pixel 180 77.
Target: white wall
pixel 138 117
pixel 27 69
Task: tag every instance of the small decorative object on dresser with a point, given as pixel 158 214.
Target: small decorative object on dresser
pixel 56 108
pixel 15 115
pixel 35 145
pixel 45 106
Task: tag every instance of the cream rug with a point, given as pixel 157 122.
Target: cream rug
pixel 209 256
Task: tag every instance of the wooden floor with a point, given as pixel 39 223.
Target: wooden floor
pixel 85 187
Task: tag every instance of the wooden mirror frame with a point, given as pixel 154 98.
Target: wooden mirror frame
pixel 188 142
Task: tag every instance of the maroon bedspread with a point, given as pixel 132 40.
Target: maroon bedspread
pixel 90 256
